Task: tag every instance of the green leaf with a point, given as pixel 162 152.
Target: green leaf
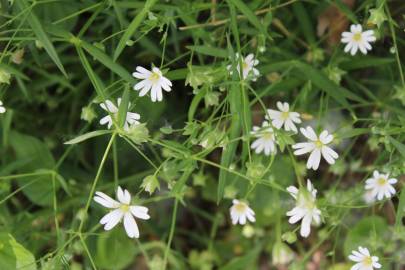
pixel 108 62
pixel 13 255
pixel 87 136
pixel 304 22
pixel 208 50
pixel 243 262
pixel 95 80
pixel 400 210
pixel 132 27
pixel 399 146
pixel 40 33
pixel 13 71
pixel 30 148
pixel 123 107
pixel 252 18
pixel 114 250
pixel 368 229
pixel 353 63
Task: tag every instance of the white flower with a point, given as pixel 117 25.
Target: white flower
pixel 305 208
pixel 240 211
pixel 380 185
pixel 153 81
pixel 284 117
pixel 363 259
pixel 266 139
pixel 131 118
pixel 357 39
pixel 317 147
pixel 121 210
pixel 2 108
pixel 248 66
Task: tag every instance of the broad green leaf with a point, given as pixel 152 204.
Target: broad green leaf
pixel 208 50
pixel 87 136
pixel 367 229
pixel 133 27
pixel 40 33
pixel 31 148
pixel 114 250
pixel 13 255
pixel 107 61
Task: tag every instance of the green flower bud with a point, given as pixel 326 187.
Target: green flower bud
pixel 150 183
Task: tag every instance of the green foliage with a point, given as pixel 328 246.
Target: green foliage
pixel 192 154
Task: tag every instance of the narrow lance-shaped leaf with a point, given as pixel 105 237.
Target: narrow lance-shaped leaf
pixel 40 33
pixel 132 27
pixel 87 136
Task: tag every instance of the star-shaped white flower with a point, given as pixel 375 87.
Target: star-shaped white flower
pixel 363 259
pixel 380 185
pixel 248 67
pixel 153 81
pixel 131 118
pixel 266 139
pixel 356 39
pixel 2 108
pixel 121 209
pixel 240 212
pixel 305 208
pixel 317 146
pixel 284 117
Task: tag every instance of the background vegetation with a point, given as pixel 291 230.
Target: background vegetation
pixel 60 59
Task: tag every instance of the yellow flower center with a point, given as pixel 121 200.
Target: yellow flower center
pixel 368 261
pixel 381 181
pixel 124 208
pixel 357 37
pixel 240 207
pixel 285 115
pixel 268 136
pixel 318 144
pixel 245 65
pixel 154 77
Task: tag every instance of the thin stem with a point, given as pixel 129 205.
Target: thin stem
pixel 93 187
pixel 172 227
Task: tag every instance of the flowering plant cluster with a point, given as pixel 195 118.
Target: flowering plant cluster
pixel 202 135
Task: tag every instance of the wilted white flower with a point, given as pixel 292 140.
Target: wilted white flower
pixel 317 147
pixel 240 212
pixel 248 66
pixel 153 81
pixel 356 39
pixel 368 197
pixel 121 209
pixel 281 254
pixel 130 119
pixel 266 139
pixel 363 259
pixel 380 185
pixel 284 117
pixel 305 208
pixel 2 108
